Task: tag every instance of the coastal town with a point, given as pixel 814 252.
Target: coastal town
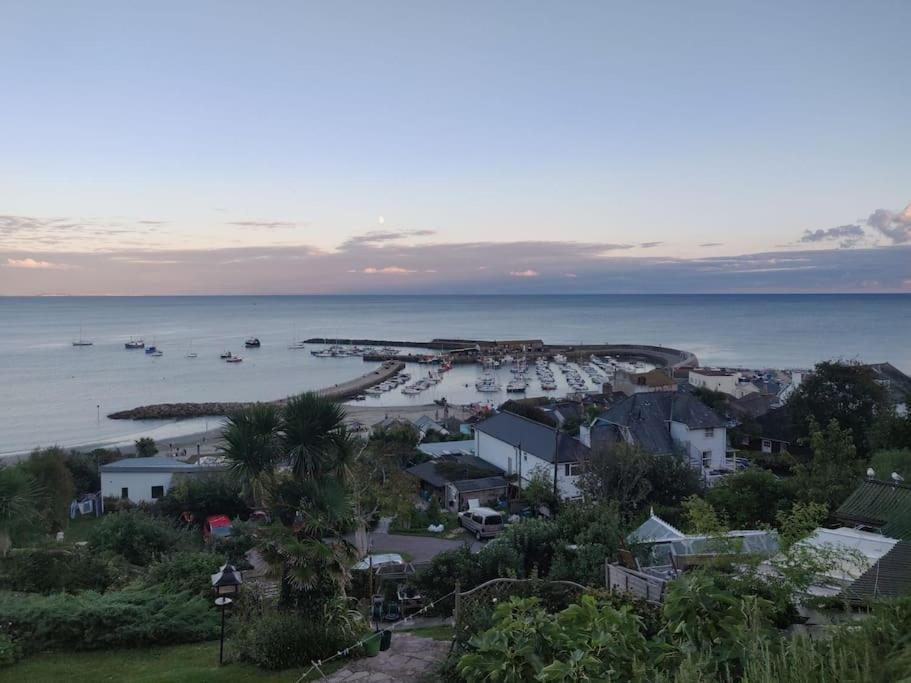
pixel 626 471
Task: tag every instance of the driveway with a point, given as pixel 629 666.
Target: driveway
pixel 421 548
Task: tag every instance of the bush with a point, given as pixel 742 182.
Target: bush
pixel 184 571
pixel 48 570
pixel 202 497
pixel 88 621
pixel 138 537
pixel 280 640
pixel 10 652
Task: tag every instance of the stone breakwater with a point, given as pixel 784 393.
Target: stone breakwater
pixel 170 411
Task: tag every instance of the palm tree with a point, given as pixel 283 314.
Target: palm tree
pixel 313 427
pixel 251 444
pixel 19 496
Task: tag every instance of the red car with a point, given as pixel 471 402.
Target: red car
pixel 216 527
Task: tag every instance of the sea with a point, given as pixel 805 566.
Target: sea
pixel 52 392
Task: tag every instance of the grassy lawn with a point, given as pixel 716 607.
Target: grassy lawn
pixel 186 663
pixel 433 632
pixel 79 529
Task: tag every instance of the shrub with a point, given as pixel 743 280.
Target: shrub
pixel 137 536
pixel 88 621
pixel 202 497
pixel 184 571
pixel 279 640
pixel 47 570
pixel 10 652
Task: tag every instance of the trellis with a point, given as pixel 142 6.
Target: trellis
pixel 474 608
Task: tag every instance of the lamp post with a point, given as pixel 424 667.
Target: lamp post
pixel 225 583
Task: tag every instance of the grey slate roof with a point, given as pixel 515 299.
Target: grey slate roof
pixel 157 464
pixel 436 449
pixel 484 484
pixel 889 577
pixel 533 437
pixel 427 471
pixel 647 415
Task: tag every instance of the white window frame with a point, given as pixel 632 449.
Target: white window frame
pixel 707 454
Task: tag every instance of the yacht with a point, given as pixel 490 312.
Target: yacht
pixel 81 341
pixel 487 383
pixel 516 386
pixel 297 345
pixel 234 359
pixel 252 343
pixel 135 344
pixel 226 355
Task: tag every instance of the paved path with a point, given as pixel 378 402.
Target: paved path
pixel 410 658
pixel 421 548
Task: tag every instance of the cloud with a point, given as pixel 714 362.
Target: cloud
pixel 849 235
pixel 388 270
pixel 376 238
pixel 711 244
pixel 265 224
pixel 895 225
pixel 524 273
pixel 32 264
pixel 649 245
pixel 152 222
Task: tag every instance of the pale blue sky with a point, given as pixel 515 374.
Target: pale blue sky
pixel 173 126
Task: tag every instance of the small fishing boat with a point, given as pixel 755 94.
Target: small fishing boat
pixel 134 344
pixel 156 353
pixel 252 343
pixel 150 350
pixel 226 355
pixel 234 359
pixel 297 345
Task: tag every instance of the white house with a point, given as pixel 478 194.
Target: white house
pixel 630 383
pixel 728 382
pixel 522 447
pixel 664 422
pixel 143 480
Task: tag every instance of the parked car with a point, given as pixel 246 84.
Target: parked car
pixel 482 522
pixel 216 527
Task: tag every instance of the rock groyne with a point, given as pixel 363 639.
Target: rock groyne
pixel 170 411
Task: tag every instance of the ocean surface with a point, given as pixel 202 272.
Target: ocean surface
pixel 52 392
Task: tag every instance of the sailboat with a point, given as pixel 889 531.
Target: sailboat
pixel 81 341
pixel 190 352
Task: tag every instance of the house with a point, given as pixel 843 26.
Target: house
pixel 664 423
pixel 143 480
pixel 630 383
pixel 442 448
pixel 881 506
pixel 426 424
pixel 456 479
pixel 729 382
pixel 776 435
pixel 896 383
pixel 522 447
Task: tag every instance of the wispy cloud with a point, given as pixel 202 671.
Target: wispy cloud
pixel 849 235
pixel 524 273
pixel 388 270
pixel 711 244
pixel 271 225
pixel 649 245
pixel 376 238
pixel 32 264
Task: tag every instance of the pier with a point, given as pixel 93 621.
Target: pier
pixel 338 392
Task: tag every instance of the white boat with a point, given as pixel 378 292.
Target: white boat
pixel 134 344
pixel 373 391
pixel 297 345
pixel 234 359
pixel 81 341
pixel 226 355
pixel 516 386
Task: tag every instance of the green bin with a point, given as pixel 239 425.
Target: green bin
pixel 372 644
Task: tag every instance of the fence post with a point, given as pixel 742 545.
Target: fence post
pixel 455 609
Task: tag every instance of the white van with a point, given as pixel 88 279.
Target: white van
pixel 482 522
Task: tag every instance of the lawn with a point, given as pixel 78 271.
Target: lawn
pixel 79 529
pixel 194 663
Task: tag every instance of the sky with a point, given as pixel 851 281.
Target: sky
pixel 448 147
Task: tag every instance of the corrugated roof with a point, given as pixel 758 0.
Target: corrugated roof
pixel 533 437
pixel 484 484
pixel 890 577
pixel 155 464
pixel 882 505
pixel 435 450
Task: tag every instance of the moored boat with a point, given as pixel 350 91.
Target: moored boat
pixel 134 344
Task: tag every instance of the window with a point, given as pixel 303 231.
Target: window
pixel 571 469
pixel 709 433
pixel 124 493
pixel 766 445
pixel 157 492
pixel 707 459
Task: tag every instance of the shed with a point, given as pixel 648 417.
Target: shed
pixel 143 480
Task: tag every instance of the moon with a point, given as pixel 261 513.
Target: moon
pixel 380 220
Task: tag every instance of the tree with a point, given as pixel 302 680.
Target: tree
pixel 750 498
pixel 251 445
pixel 48 468
pixel 619 473
pixel 716 400
pixel 529 412
pixel 145 447
pixel 843 391
pixel 835 468
pixel 891 430
pixel 539 490
pixel 702 518
pixel 897 460
pixel 312 428
pixel 19 497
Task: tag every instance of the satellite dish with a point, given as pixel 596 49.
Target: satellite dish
pixel 871 472
pixel 897 478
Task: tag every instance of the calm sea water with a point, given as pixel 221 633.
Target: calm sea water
pixel 55 393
